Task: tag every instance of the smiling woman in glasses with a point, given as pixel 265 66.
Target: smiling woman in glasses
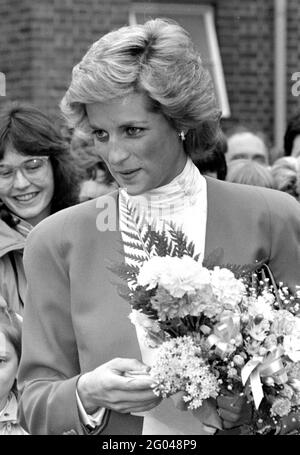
pixel 37 178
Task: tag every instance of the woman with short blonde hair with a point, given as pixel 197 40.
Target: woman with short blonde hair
pixel 142 92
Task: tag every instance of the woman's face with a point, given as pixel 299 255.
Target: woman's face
pixel 140 148
pixel 8 368
pixel 27 197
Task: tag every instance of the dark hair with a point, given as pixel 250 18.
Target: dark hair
pixel 11 327
pixel 31 132
pixel 211 159
pixel 292 130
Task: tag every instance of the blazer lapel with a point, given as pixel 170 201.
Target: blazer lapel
pixel 213 236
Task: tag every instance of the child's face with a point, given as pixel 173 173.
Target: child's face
pixel 8 367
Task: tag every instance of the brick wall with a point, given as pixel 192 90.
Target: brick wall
pixel 245 31
pixel 15 47
pixel 41 40
pixel 293 54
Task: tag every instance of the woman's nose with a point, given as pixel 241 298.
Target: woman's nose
pixel 20 181
pixel 117 152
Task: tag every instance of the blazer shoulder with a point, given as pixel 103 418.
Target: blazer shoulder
pixel 271 199
pixel 81 217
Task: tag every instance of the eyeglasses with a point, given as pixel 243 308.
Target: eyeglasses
pixel 33 169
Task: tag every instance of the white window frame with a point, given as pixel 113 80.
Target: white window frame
pixel 2 84
pixel 207 11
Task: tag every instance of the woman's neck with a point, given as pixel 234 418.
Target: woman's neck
pixel 36 219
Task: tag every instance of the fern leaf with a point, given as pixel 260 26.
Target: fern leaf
pixel 133 220
pixel 132 235
pixel 135 257
pixel 180 242
pixel 124 271
pixel 135 246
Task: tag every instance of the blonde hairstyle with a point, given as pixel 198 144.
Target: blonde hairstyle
pixel 156 58
pixel 249 172
pixel 286 174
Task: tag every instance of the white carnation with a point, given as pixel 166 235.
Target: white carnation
pixel 151 270
pixel 176 275
pixel 228 289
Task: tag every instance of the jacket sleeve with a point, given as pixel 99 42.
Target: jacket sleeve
pixel 284 221
pixel 49 367
pixel 8 285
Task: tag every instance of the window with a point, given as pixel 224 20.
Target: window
pixel 199 21
pixel 2 84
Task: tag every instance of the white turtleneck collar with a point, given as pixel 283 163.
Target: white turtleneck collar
pixel 182 201
pixel 180 191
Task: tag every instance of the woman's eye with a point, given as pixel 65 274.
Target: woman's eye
pixel 133 131
pixel 100 135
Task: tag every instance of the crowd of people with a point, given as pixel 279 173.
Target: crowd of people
pixel 143 129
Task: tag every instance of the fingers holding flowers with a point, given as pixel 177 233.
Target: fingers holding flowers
pixel 122 385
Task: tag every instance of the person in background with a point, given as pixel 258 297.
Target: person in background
pixel 37 178
pixel 250 173
pixel 245 144
pixel 101 182
pixel 286 175
pixel 10 354
pixel 143 94
pixel 96 178
pixel 291 139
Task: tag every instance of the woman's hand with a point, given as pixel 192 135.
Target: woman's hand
pixel 122 385
pixel 234 410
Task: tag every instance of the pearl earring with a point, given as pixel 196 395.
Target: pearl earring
pixel 182 135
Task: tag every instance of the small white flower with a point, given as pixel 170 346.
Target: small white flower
pixel 179 367
pixel 259 331
pixel 291 346
pixel 284 323
pixel 262 306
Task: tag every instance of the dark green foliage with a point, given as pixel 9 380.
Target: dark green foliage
pixel 124 271
pixel 141 299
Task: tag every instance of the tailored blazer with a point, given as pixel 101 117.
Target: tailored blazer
pixel 75 320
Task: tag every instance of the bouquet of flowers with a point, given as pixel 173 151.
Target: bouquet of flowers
pixel 217 329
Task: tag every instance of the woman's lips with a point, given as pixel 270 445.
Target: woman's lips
pixel 129 174
pixel 26 197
